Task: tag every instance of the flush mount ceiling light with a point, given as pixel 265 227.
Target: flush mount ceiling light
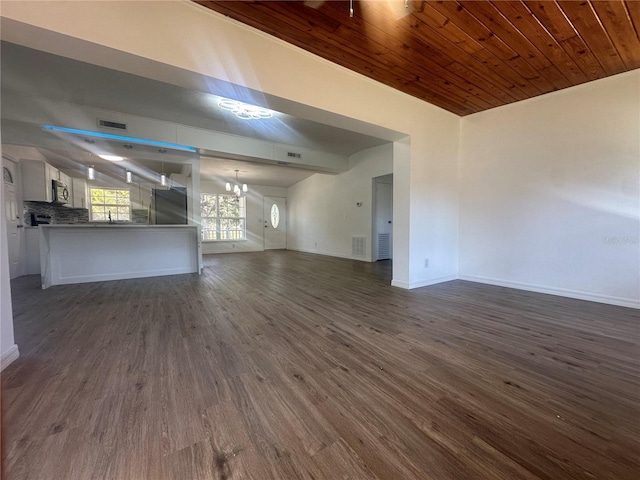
pixel 237 189
pixel 244 110
pixel 112 158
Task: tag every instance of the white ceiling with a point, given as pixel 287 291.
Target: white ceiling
pixel 33 74
pixel 251 172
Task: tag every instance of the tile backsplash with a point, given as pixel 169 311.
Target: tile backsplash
pixel 62 215
pixel 58 213
pixel 139 215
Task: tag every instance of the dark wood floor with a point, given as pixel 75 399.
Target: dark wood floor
pixel 284 365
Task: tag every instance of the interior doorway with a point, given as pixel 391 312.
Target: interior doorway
pixel 275 223
pixel 382 218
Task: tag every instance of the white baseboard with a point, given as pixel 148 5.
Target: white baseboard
pixel 433 281
pixel 422 283
pixel 563 292
pixel 9 356
pixel 327 254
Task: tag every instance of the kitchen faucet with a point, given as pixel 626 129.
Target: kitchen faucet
pixel 110 221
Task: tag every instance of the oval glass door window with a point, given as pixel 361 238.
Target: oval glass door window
pixel 275 216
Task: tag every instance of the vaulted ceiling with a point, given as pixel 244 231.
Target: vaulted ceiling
pixel 463 56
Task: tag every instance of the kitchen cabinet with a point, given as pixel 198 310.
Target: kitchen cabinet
pixel 116 252
pixel 32 243
pixel 36 180
pixel 79 194
pixel 66 179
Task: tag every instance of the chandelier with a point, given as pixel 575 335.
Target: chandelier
pixel 238 189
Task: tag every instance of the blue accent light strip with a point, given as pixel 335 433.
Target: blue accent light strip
pixel 110 136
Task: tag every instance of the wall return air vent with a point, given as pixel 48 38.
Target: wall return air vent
pixel 358 247
pixel 111 124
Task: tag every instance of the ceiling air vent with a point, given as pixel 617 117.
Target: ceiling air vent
pixel 111 124
pixel 294 155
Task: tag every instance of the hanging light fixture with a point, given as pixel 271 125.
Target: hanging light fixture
pixel 238 189
pixel 128 176
pixel 91 173
pixel 163 177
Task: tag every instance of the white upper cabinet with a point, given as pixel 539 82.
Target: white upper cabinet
pixel 79 194
pixel 36 183
pixel 36 180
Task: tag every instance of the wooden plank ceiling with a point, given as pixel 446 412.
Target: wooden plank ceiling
pixel 463 56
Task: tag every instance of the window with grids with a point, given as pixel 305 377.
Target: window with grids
pixel 223 217
pixel 109 200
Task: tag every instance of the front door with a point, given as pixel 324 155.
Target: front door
pixel 275 223
pixel 13 222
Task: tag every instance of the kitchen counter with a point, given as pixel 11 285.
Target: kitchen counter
pixel 80 253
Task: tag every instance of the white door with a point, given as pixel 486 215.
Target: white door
pixel 384 221
pixel 13 223
pixel 275 223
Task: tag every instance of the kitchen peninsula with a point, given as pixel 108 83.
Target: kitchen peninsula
pixel 97 252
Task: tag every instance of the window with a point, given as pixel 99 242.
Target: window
pixel 110 200
pixel 275 216
pixel 223 217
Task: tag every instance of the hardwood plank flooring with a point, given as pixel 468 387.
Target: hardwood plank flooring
pixel 283 365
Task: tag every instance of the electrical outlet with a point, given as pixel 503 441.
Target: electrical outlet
pixel 426 263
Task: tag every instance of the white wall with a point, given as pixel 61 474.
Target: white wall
pixel 255 218
pixel 184 35
pixel 433 217
pixel 323 215
pixel 550 192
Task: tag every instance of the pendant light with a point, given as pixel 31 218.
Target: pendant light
pixel 91 173
pixel 238 189
pixel 128 176
pixel 163 177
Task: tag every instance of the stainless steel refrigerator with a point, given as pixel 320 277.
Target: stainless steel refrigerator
pixel 169 207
